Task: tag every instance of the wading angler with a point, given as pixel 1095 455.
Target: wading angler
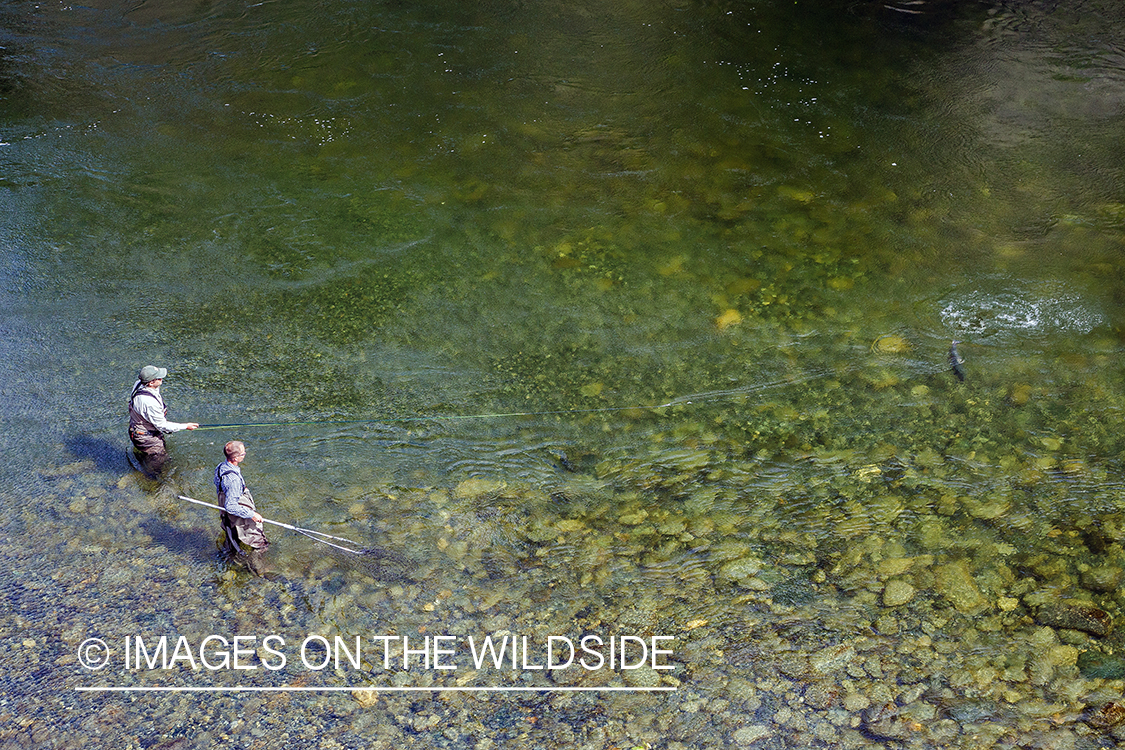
pixel 242 524
pixel 148 420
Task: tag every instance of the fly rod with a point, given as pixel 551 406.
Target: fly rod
pixel 307 532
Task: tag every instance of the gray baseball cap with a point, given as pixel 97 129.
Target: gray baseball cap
pixel 149 372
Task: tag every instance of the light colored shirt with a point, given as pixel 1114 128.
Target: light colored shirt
pixel 152 409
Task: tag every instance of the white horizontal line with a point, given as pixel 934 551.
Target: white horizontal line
pixel 406 689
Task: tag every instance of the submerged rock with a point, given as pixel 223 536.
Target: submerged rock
pixel 747 736
pixel 897 592
pixel 989 507
pixel 1104 578
pixel 891 343
pixel 832 658
pixel 794 591
pixel 955 582
pixel 742 569
pixel 1075 617
pixel 882 721
pixel 365 698
pixel 477 487
pixel 1108 716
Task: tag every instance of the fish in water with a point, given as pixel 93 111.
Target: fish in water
pixel 955 362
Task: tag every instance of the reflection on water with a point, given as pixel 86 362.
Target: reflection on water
pixel 586 321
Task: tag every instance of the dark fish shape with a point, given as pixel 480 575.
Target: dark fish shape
pixel 955 362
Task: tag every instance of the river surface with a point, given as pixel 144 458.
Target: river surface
pixel 625 322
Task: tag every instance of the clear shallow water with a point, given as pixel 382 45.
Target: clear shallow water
pixel 620 321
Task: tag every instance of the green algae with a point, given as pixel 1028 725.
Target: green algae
pixel 1099 665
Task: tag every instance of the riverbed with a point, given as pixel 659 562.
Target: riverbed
pixel 613 344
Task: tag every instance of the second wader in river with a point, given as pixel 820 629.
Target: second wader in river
pixel 242 524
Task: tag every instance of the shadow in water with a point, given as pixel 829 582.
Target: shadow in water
pixel 107 455
pixel 199 544
pixel 376 563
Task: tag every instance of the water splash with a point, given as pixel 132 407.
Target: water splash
pixel 1016 311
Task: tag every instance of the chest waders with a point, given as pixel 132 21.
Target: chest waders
pixel 146 438
pixel 243 536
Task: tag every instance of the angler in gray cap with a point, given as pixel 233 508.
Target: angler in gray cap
pixel 148 419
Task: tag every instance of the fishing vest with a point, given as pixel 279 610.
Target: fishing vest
pixel 243 493
pixel 135 419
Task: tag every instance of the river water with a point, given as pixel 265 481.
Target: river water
pixel 625 322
